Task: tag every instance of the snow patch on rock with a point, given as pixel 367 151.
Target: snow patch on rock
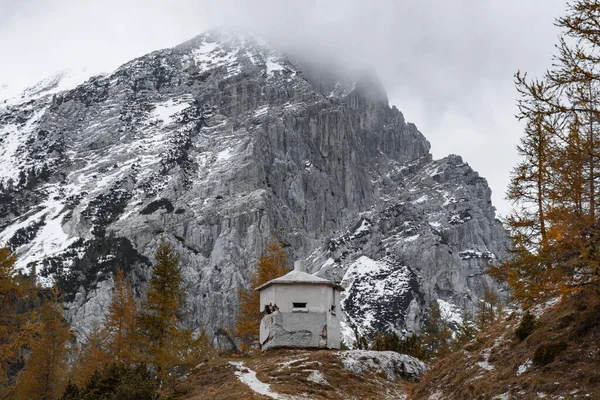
pixel 393 364
pixel 524 367
pixel 485 364
pixel 450 313
pixel 166 110
pixel 50 239
pixel 27 90
pixel 273 66
pixel 347 334
pixel 317 377
pixel 12 142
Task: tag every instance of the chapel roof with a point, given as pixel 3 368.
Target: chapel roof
pixel 299 277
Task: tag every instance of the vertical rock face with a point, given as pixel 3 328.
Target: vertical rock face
pixel 430 237
pixel 218 144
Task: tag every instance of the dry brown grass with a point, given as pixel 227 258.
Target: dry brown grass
pixel 574 372
pixel 217 381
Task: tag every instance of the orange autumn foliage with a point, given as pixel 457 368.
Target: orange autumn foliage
pixel 18 324
pixel 45 375
pixel 121 324
pixel 271 264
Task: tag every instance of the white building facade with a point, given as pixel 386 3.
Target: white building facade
pixel 300 310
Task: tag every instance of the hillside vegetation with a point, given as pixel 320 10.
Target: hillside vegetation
pixel 559 359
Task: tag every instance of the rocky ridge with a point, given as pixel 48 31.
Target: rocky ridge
pixel 220 143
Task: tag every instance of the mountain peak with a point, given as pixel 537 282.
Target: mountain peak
pixel 218 144
pixel 233 37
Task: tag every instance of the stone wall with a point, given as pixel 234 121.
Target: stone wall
pixel 294 330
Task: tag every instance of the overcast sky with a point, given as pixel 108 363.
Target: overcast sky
pixel 448 65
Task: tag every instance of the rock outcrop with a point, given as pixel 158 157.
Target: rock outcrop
pixel 393 364
pixel 218 144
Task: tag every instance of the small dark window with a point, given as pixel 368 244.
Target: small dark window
pixel 299 305
pixel 333 309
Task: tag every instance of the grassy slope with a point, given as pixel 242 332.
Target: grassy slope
pixel 574 373
pixel 288 373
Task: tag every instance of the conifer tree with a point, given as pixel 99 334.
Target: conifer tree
pixel 360 341
pixel 115 382
pixel 562 113
pixel 171 348
pixel 116 341
pixel 529 188
pixel 436 334
pixel 465 331
pixel 271 264
pixel 92 356
pixel 488 309
pixel 166 293
pixel 121 324
pixel 18 320
pixel 412 345
pixel 45 375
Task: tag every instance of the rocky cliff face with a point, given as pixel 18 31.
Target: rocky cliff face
pixel 218 144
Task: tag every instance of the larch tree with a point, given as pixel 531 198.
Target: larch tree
pixel 466 330
pixel 563 113
pixel 271 264
pixel 575 77
pixel 117 341
pixel 92 356
pixel 171 348
pixel 18 320
pixel 488 309
pixel 46 371
pixel 121 323
pixel 436 334
pixel 577 73
pixel 529 189
pixel 530 192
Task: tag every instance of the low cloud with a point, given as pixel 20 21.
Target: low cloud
pixel 447 65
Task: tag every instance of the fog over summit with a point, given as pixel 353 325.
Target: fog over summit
pixel 447 65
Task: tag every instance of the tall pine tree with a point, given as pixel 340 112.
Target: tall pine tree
pixel 170 347
pixel 436 334
pixel 529 189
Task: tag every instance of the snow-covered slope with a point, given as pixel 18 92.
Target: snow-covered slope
pixel 25 91
pixel 218 144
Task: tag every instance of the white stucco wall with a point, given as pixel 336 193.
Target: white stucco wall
pixel 267 296
pixel 316 297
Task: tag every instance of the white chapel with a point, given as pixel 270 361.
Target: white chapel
pixel 300 310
